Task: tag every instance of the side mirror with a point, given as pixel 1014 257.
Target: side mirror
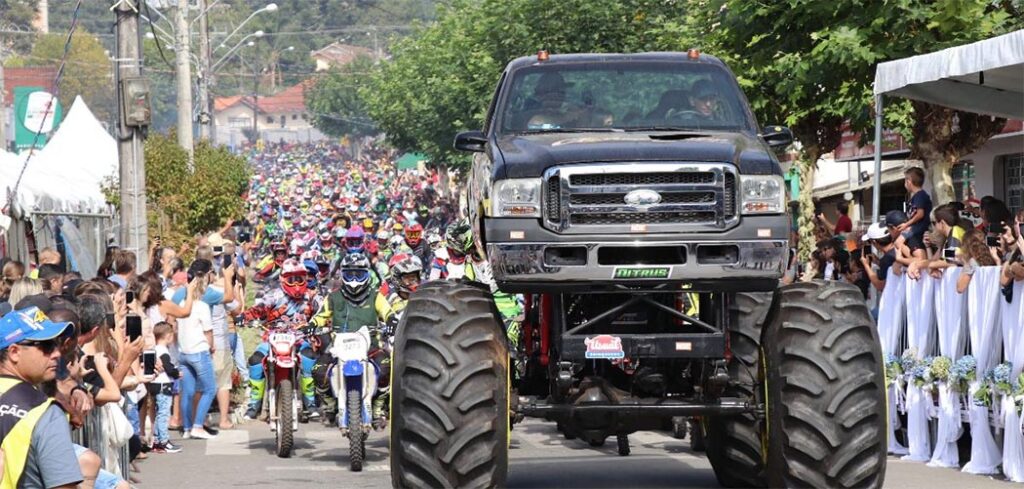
pixel 777 137
pixel 472 141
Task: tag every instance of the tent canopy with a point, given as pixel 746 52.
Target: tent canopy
pixel 67 174
pixel 985 77
pixel 410 161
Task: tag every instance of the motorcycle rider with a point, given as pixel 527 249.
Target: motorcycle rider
pixel 345 310
pixel 415 243
pixel 406 270
pixel 270 267
pixel 293 302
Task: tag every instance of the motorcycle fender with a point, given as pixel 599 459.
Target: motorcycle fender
pixel 353 368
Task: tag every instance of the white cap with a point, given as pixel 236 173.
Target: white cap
pixel 876 231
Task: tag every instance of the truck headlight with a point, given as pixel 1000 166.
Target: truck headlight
pixel 762 194
pixel 516 197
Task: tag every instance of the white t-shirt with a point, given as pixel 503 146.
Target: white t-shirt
pixel 219 316
pixel 191 329
pixel 163 378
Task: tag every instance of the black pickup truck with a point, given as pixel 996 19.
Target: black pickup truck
pixel 639 211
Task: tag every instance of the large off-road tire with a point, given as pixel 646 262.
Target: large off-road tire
pixel 825 389
pixel 449 404
pixel 285 403
pixel 733 443
pixel 356 440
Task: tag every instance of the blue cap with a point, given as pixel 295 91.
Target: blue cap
pixel 29 324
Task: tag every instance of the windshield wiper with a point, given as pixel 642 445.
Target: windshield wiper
pixel 658 129
pixel 568 130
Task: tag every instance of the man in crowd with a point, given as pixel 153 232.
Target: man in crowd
pixel 37 447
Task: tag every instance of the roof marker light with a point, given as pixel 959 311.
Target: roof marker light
pixel 542 55
pixel 693 53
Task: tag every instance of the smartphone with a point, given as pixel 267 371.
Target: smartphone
pixel 218 249
pixel 949 253
pixel 227 261
pixel 866 251
pixel 129 297
pixel 133 324
pixel 89 363
pixel 149 362
pixel 993 241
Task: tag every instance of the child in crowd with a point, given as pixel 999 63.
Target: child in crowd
pixel 161 388
pixel 919 209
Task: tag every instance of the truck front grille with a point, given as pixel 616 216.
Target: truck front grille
pixel 593 198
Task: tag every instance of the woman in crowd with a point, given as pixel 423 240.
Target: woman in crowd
pixel 23 288
pixel 195 341
pixel 975 253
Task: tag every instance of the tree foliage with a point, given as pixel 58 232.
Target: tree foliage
pixel 87 70
pixel 439 81
pixel 181 204
pixel 335 104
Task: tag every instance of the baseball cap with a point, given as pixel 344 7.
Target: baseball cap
pixel 29 324
pixel 895 218
pixel 876 231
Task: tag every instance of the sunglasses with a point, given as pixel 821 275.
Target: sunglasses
pixel 45 347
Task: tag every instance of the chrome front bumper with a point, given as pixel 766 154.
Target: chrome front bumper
pixel 757 266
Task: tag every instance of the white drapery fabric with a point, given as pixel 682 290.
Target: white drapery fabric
pixel 1013 344
pixel 983 321
pixel 891 315
pixel 920 337
pixel 949 309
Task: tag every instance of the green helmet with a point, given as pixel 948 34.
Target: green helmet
pixel 459 236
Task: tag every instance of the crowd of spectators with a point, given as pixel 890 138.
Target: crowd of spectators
pixel 917 240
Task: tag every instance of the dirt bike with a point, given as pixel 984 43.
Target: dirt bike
pixel 355 380
pixel 283 399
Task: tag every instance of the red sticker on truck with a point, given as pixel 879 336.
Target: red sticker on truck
pixel 604 346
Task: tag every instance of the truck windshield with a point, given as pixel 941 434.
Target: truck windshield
pixel 627 95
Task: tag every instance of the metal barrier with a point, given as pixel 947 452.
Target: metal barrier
pixel 92 436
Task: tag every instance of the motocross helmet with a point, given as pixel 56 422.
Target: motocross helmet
pixel 372 248
pixel 326 239
pixel 383 237
pixel 368 225
pixel 423 211
pixel 354 239
pixel 413 235
pixel 405 273
pixel 280 252
pixel 396 242
pixel 355 277
pixel 459 237
pixel 434 240
pixel 294 279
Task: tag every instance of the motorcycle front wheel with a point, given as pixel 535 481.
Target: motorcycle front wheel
pixel 285 434
pixel 356 443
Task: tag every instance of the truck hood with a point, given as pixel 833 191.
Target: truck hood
pixel 525 156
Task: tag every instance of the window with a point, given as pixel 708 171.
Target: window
pixel 963 181
pixel 270 119
pixel 1013 178
pixel 283 118
pixel 239 122
pixel 305 117
pixel 295 117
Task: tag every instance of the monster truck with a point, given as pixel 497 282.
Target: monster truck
pixel 634 203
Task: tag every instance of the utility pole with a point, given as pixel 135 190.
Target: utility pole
pixel 184 79
pixel 255 100
pixel 132 166
pixel 3 108
pixel 206 122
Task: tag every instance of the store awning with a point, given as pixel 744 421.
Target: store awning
pixel 985 77
pixel 410 161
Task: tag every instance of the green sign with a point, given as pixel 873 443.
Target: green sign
pixel 36 114
pixel 641 272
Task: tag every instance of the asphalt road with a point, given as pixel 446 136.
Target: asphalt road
pixel 541 458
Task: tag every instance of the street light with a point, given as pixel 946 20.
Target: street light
pixel 270 7
pixel 228 54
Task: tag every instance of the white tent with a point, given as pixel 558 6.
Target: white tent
pixel 65 176
pixel 985 77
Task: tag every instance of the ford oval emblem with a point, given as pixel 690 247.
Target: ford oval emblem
pixel 642 197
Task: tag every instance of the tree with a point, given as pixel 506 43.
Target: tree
pixel 811 64
pixel 440 80
pixel 16 16
pixel 182 204
pixel 87 70
pixel 335 104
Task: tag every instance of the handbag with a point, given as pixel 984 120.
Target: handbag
pixel 119 430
